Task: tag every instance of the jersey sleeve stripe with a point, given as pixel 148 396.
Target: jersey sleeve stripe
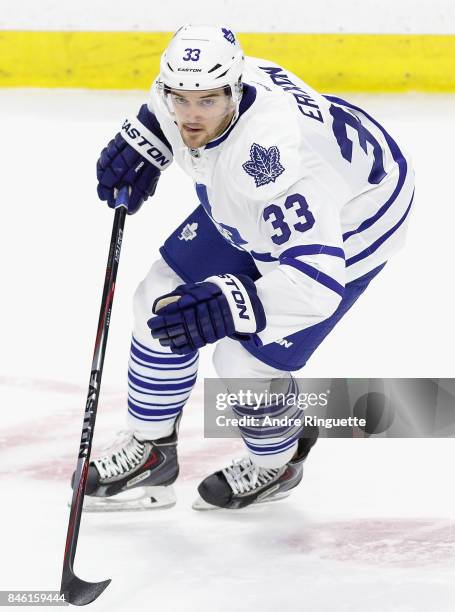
pixel 265 257
pixel 315 274
pixel 377 243
pixel 313 249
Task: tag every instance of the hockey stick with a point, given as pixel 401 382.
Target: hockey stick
pixel 76 591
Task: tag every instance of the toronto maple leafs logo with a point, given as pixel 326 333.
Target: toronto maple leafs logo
pixel 264 165
pixel 228 35
pixel 189 232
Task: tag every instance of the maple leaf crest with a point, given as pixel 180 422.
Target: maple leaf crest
pixel 264 165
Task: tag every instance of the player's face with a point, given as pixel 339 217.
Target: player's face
pixel 202 115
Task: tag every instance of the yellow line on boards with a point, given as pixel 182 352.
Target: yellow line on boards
pixel 328 62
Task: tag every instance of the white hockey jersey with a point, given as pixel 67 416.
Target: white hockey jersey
pixel 311 186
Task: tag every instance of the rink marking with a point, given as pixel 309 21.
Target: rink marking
pixel 391 542
pixel 58 433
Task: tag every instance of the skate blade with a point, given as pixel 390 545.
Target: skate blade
pixel 201 505
pixel 140 498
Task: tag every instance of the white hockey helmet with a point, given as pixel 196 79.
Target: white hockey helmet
pixel 202 58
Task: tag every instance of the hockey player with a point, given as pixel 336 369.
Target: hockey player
pixel 303 198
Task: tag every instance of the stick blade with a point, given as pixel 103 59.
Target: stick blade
pixel 79 592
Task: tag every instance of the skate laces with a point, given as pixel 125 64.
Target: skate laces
pixel 128 454
pixel 243 476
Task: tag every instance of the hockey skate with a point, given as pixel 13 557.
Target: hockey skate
pixel 242 483
pixel 135 474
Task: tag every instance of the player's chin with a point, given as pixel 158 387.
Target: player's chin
pixel 195 138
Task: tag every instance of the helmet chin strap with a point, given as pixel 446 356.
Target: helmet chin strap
pixel 228 127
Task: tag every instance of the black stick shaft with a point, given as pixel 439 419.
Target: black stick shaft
pixel 70 583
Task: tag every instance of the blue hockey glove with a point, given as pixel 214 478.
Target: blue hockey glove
pixel 196 314
pixel 135 157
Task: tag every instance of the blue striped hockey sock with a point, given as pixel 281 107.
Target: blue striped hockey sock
pixel 159 384
pixel 272 446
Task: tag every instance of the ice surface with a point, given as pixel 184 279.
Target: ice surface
pixel 373 525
